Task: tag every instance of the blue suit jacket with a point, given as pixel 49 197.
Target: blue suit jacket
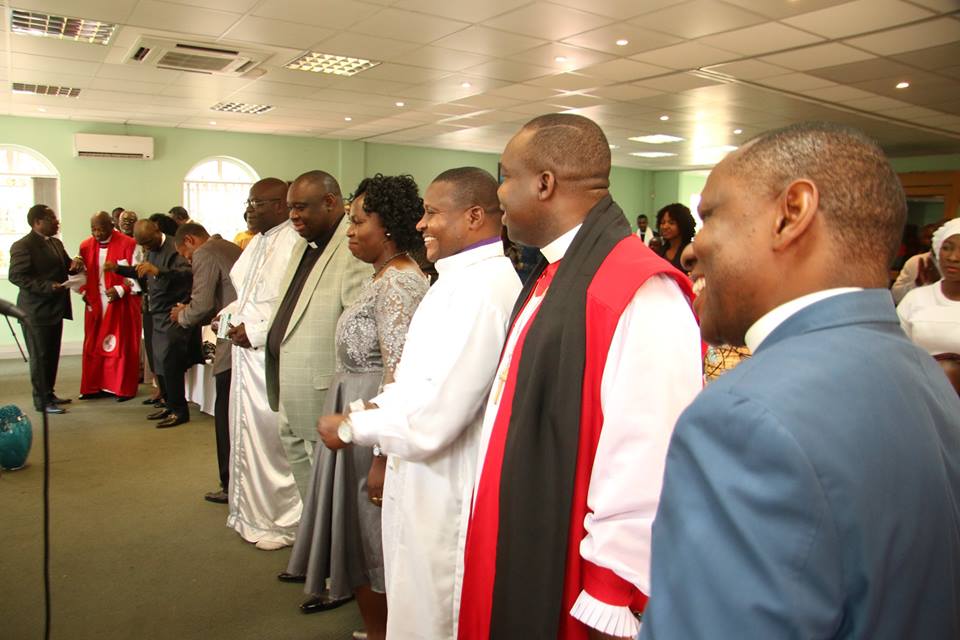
pixel 814 491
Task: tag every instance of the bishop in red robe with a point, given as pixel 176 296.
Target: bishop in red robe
pixel 112 321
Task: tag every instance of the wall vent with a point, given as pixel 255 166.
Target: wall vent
pixel 45 89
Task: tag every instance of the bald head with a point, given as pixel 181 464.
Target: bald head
pixel 101 226
pixel 147 234
pixel 323 180
pixel 314 204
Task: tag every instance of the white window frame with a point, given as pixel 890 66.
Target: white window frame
pixel 13 222
pixel 228 219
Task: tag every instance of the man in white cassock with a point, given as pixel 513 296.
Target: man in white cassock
pixel 427 422
pixel 264 503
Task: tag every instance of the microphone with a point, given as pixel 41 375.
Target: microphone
pixel 12 310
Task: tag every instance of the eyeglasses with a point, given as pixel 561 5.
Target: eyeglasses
pixel 257 203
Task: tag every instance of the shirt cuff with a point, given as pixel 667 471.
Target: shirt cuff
pixel 365 427
pixel 119 290
pixel 606 618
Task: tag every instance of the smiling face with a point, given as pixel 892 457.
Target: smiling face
pixel 445 223
pixel 313 210
pixel 367 237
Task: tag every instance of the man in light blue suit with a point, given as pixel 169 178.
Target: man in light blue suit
pixel 813 491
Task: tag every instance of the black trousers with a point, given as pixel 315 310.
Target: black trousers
pixel 221 423
pixel 43 345
pixel 172 359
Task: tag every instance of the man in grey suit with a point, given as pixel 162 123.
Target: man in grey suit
pixel 323 278
pixel 211 258
pixel 38 266
pixel 814 490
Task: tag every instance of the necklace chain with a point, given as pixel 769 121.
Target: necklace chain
pixel 386 262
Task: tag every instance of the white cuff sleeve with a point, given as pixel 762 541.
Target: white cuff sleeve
pixel 606 618
pixel 119 290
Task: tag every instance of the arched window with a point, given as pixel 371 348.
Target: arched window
pixel 26 179
pixel 215 191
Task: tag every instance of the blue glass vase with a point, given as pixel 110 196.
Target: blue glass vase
pixel 16 436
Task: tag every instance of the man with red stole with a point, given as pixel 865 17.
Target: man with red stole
pixel 570 464
pixel 111 342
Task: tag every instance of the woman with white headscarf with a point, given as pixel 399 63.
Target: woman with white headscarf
pixel 930 315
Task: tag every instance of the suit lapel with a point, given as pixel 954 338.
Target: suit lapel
pixel 309 288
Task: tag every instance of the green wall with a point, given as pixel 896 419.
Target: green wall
pixel 88 185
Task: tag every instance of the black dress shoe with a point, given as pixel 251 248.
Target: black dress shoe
pixel 124 398
pixel 52 408
pixel 220 497
pixel 153 401
pixel 56 400
pixel 93 396
pixel 172 421
pixel 317 604
pixel 283 576
pixel 159 414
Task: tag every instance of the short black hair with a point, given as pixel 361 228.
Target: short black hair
pixel 117 211
pixel 396 201
pixel 37 212
pixel 166 224
pixel 642 216
pixel 861 197
pixel 680 214
pixel 178 213
pixel 194 229
pixel 573 147
pixel 473 186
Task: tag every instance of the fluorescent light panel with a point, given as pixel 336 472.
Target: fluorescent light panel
pixel 241 107
pixel 45 90
pixel 34 23
pixel 329 63
pixel 658 138
pixel 652 154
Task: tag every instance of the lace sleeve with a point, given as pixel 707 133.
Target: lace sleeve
pixel 396 301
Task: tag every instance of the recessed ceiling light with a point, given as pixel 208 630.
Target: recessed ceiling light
pixel 465 85
pixel 657 138
pixel 622 42
pixel 34 23
pixel 45 90
pixel 347 119
pixel 560 59
pixel 213 122
pixel 242 107
pixel 652 154
pixel 329 63
pixel 400 104
pixel 664 118
pixel 903 85
pixel 737 132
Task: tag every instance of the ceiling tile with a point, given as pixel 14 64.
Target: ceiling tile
pixel 839 93
pixel 605 39
pixel 569 82
pixel 572 58
pixel 796 82
pixel 401 73
pixel 487 101
pixel 619 9
pixel 677 82
pixel 177 17
pixel 466 11
pixel 764 38
pixel 910 38
pixel 479 39
pixel 624 70
pixel 698 18
pixel 332 14
pixel 359 45
pixel 22 61
pixel 106 10
pixel 58 48
pixel 933 58
pixel 785 8
pixel 524 92
pixel 820 55
pixel 406 25
pixel 624 92
pixel 509 70
pixel 942 6
pixel 277 32
pixel 107 84
pixel 688 55
pixel 747 69
pixel 861 71
pixel 876 103
pixel 370 85
pixel 438 58
pixel 236 6
pixel 857 17
pixel 451 88
pixel 550 22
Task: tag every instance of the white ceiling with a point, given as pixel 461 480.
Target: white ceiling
pixel 711 66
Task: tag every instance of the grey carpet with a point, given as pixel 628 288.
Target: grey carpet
pixel 136 551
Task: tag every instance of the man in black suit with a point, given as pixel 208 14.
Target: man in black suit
pixel 38 266
pixel 175 348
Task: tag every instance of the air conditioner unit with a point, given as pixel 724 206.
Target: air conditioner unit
pixel 195 57
pixel 93 145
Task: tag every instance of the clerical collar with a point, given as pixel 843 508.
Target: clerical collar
pixel 767 323
pixel 555 251
pixel 468 257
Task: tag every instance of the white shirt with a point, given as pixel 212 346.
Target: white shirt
pixel 257 275
pixel 907 278
pixel 428 422
pixel 772 319
pixel 646 236
pixel 628 467
pixel 931 319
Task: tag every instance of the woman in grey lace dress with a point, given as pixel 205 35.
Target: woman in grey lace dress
pixel 339 536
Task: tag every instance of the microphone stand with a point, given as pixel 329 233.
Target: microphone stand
pixel 15 338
